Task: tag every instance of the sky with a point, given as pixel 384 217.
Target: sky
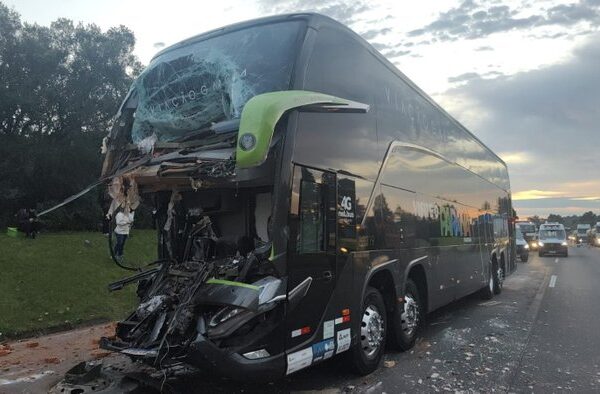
pixel 523 75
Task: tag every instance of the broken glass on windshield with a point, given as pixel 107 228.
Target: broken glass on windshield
pixel 188 88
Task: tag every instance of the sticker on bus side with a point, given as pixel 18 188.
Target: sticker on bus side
pixel 298 360
pixel 343 340
pixel 323 350
pixel 328 329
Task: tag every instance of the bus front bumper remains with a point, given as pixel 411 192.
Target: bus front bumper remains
pixel 206 355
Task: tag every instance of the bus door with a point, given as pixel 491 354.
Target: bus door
pixel 312 250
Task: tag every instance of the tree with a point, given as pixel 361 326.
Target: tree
pixel 60 87
pixel 588 218
pixel 555 218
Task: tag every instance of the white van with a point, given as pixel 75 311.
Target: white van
pixel 552 239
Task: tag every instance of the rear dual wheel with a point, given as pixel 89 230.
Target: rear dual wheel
pixel 495 281
pixel 367 353
pixel 408 318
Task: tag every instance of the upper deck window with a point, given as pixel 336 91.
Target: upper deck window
pixel 191 87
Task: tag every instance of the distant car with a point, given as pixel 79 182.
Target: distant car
pixel 582 234
pixel 595 235
pixel 522 246
pixel 552 239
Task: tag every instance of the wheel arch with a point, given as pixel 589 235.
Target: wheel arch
pixel 418 274
pixel 383 280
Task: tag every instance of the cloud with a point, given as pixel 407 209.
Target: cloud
pixel 395 53
pixel 516 157
pixel 464 77
pixel 550 113
pixel 535 195
pixel 344 12
pixel 472 19
pixel 370 34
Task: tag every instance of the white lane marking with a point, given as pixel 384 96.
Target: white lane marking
pixel 552 281
pixel 556 260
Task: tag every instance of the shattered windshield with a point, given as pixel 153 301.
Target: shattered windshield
pixel 189 88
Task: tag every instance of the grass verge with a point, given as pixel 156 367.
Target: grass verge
pixel 60 280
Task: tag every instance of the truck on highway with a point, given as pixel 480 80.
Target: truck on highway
pixel 310 201
pixel 530 233
pixel 582 235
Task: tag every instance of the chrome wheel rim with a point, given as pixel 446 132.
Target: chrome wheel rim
pixel 410 315
pixel 372 331
pixel 500 274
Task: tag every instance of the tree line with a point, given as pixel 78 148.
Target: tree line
pixel 60 86
pixel 571 221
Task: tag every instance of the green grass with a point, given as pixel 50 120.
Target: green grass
pixel 59 279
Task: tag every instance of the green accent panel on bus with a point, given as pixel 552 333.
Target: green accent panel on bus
pixel 231 283
pixel 262 112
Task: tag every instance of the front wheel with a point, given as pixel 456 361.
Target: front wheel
pixel 524 257
pixel 541 254
pixel 408 318
pixel 366 354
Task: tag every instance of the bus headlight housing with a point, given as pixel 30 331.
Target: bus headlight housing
pixel 526 246
pixel 564 243
pixel 224 315
pixel 247 141
pixel 540 243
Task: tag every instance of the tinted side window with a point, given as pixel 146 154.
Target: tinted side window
pixel 312 223
pixel 338 66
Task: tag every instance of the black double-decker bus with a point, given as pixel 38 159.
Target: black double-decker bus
pixel 310 201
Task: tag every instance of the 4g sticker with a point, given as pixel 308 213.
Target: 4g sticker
pixel 346 208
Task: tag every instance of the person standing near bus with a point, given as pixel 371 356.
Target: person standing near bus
pixel 124 220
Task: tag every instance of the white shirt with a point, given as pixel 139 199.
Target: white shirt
pixel 124 223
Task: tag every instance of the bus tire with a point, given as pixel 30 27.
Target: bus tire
pixel 524 257
pixel 408 318
pixel 367 352
pixel 487 293
pixel 499 274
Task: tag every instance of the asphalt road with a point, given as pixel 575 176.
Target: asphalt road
pixel 542 334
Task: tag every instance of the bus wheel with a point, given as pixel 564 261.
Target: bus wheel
pixel 366 354
pixel 498 278
pixel 408 318
pixel 488 291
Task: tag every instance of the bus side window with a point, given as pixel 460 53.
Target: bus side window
pixel 312 218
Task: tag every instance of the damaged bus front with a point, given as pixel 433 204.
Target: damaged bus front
pixel 201 136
